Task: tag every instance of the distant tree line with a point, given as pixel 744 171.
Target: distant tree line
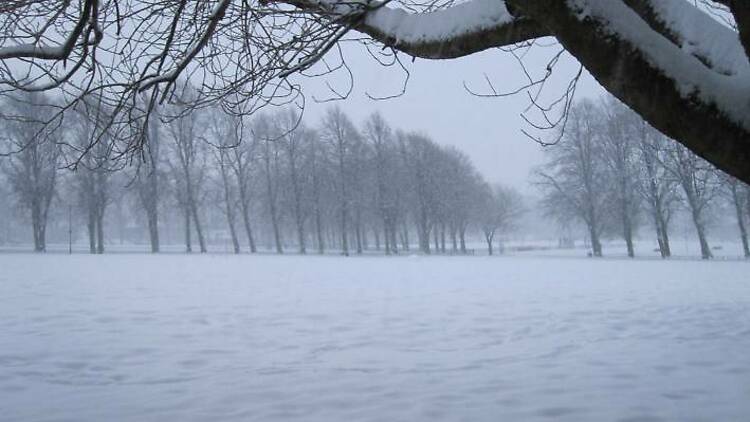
pixel 333 186
pixel 613 172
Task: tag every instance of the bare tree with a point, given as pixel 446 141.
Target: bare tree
pixel 698 181
pixel 270 157
pixel 463 189
pixel 188 150
pixel 420 156
pixel 243 167
pixel 378 134
pixel 225 134
pixel 292 137
pixel 93 170
pixel 33 161
pixel 650 58
pixel 657 186
pixel 340 134
pixel 501 207
pixel 147 181
pixel 320 168
pixel 619 146
pixel 739 196
pixel 574 178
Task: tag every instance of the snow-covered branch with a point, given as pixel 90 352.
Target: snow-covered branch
pixel 456 31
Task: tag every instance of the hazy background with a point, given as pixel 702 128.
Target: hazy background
pixel 437 103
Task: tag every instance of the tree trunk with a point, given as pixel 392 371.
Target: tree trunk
pixel 405 238
pixel 394 243
pixel 386 237
pixel 665 240
pixel 436 238
pixel 319 231
pixel 442 238
pixel 100 230
pixel 228 202
pixel 627 227
pixel 462 239
pixel 246 222
pixel 344 232
pixel 698 222
pixel 298 217
pixel 358 230
pixel 663 244
pixel 188 242
pixel 36 226
pixel 488 238
pixel 198 227
pixel 153 229
pixel 91 226
pixel 596 245
pixel 740 220
pixel 233 231
pixel 274 217
pixel 705 249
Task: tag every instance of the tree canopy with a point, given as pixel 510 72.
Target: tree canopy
pixel 682 65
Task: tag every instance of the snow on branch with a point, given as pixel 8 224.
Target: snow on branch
pixel 451 32
pixel 691 77
pixel 702 36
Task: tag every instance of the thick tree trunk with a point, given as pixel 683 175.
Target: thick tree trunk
pixel 661 233
pixel 91 226
pixel 695 213
pixel 36 226
pixel 462 239
pixel 319 231
pixel 246 222
pixel 665 240
pixel 100 231
pixel 42 236
pixel 228 202
pixel 272 210
pixel 627 227
pixel 488 239
pixel 705 249
pixel 392 234
pixel 344 231
pixel 233 232
pixel 365 240
pixel 442 238
pixel 596 245
pixel 436 238
pixel 152 217
pixel 386 238
pixel 358 231
pixel 298 217
pixel 198 227
pixel 188 241
pixel 740 220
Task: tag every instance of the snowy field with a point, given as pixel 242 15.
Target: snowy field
pixel 129 337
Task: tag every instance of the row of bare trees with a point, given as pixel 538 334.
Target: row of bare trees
pixel 334 186
pixel 612 172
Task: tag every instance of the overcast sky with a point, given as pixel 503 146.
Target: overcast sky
pixel 436 102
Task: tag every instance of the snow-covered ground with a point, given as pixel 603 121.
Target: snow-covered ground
pixel 129 337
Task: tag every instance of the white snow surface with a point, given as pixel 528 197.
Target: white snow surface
pixel 130 337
